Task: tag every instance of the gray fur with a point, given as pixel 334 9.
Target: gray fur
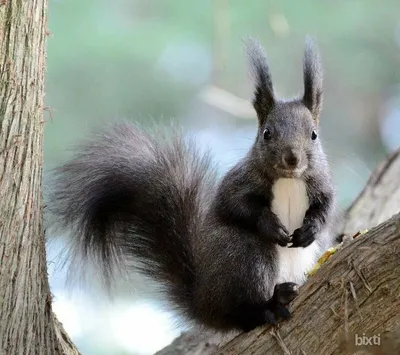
pixel 313 78
pixel 264 97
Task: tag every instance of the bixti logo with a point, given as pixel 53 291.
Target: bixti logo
pixel 367 340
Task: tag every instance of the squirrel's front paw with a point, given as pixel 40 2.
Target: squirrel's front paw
pixel 274 230
pixel 304 236
pixel 281 236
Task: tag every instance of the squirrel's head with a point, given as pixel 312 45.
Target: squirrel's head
pixel 287 143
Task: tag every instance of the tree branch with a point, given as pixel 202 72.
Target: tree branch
pixel 356 291
pixel 379 200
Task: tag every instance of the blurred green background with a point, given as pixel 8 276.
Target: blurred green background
pixel 157 61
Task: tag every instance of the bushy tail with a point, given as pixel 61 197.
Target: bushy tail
pixel 132 195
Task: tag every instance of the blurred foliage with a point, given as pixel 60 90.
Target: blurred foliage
pixel 141 59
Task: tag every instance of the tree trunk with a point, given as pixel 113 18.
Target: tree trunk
pixel 356 291
pixel 27 324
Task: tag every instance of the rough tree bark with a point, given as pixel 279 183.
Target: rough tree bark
pixel 27 324
pixel 357 290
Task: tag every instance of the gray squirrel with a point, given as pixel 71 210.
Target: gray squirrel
pixel 229 255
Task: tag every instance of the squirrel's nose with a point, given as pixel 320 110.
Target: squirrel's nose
pixel 290 159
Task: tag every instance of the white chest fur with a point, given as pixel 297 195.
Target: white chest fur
pixel 290 203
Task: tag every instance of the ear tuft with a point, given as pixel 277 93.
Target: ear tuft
pixel 313 79
pixel 264 98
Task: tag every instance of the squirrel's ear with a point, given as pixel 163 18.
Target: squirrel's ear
pixel 313 79
pixel 264 99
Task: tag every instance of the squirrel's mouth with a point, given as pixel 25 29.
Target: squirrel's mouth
pixel 290 173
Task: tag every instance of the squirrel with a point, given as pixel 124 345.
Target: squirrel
pixel 229 255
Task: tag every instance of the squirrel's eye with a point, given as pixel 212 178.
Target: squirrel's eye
pixel 267 133
pixel 314 135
